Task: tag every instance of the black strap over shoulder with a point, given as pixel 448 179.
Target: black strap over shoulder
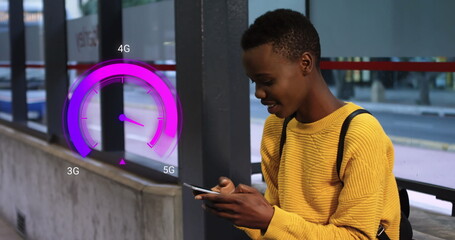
pixel 381 234
pixel 283 132
pixel 344 130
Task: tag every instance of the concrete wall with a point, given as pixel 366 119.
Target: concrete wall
pixel 102 202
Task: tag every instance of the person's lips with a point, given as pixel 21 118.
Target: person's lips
pixel 268 103
pixel 272 107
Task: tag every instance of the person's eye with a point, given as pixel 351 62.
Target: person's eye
pixel 267 82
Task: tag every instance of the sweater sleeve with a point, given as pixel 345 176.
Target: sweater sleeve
pixel 270 154
pixel 360 201
pixel 269 165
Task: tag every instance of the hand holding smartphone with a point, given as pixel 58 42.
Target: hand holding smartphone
pixel 199 190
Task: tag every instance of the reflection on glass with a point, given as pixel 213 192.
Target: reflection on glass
pixel 79 8
pixel 149 31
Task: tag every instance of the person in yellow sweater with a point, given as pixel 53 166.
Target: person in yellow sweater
pixel 305 198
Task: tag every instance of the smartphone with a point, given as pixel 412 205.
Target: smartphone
pixel 199 190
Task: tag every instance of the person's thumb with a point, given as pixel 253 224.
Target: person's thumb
pixel 225 185
pixel 242 188
pixel 224 181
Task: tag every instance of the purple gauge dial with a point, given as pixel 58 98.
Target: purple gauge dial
pixel 163 127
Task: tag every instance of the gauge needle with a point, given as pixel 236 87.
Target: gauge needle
pixel 123 118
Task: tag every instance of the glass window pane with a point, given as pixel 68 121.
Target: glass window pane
pixel 82 40
pixel 148 30
pixel 416 110
pixel 258 7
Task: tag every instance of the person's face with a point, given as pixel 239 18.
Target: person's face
pixel 280 82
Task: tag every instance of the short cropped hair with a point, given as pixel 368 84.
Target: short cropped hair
pixel 290 33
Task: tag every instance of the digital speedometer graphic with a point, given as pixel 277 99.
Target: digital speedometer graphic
pixel 154 117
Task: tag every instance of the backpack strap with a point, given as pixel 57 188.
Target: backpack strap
pixel 381 234
pixel 344 130
pixel 283 132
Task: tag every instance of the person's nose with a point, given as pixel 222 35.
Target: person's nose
pixel 259 93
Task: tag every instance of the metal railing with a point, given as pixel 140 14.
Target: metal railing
pixel 440 192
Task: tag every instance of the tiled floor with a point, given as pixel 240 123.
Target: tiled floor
pixel 7 232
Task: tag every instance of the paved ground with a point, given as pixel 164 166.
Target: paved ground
pixel 430 225
pixel 7 232
pixel 427 226
pixel 425 165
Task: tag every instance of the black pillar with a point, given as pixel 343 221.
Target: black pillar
pixel 214 93
pixel 110 38
pixel 17 55
pixel 55 58
pixel 307 8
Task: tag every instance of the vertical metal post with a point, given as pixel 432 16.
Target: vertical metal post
pixel 110 38
pixel 214 93
pixel 307 9
pixel 55 48
pixel 17 53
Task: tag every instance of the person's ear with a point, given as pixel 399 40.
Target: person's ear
pixel 306 63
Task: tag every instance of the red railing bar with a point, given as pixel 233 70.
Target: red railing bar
pixel 374 66
pixel 161 67
pixel 391 66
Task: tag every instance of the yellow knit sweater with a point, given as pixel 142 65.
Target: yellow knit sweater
pixel 304 188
